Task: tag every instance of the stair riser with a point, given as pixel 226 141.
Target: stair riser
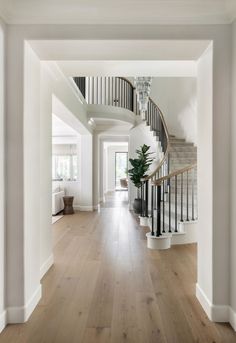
pixel 183 154
pixel 183 148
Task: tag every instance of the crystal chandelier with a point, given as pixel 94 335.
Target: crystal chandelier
pixel 143 89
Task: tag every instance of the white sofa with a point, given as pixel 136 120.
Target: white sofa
pixel 57 202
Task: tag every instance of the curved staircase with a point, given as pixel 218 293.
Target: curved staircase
pixel 169 192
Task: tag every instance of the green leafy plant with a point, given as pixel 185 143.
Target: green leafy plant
pixel 140 165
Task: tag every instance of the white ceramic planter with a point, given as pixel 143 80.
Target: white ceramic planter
pixel 158 243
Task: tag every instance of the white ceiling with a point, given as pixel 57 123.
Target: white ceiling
pixel 118 12
pixel 119 50
pixel 61 129
pixel 129 68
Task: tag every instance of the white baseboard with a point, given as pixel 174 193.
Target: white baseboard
pixel 187 233
pixel 216 313
pixel 204 301
pixel 22 313
pixel 3 320
pixel 97 207
pixel 83 208
pixel 46 266
pixel 232 318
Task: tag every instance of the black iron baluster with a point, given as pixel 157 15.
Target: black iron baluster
pixel 141 214
pixel 118 91
pixel 170 206
pixel 153 116
pixel 112 91
pixel 168 167
pixel 181 199
pixel 128 96
pixel 146 198
pixel 115 100
pixel 132 98
pixel 152 209
pixel 158 230
pixel 163 207
pixel 193 193
pixel 155 120
pixel 187 197
pixel 176 203
pixel 123 94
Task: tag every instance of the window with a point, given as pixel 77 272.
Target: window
pixel 121 167
pixel 65 167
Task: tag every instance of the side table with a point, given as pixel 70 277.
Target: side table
pixel 68 204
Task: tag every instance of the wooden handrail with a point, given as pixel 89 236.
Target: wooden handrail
pixel 177 172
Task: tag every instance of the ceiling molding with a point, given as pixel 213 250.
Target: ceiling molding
pixel 120 12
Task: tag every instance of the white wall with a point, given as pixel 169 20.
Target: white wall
pixel 177 99
pixel 140 135
pixel 220 145
pixel 233 186
pixel 58 97
pixel 110 153
pixel 2 174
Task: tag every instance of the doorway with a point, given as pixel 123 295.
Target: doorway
pixel 121 170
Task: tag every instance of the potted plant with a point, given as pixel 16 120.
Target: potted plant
pixel 140 166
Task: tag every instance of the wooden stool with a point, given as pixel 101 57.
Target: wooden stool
pixel 68 205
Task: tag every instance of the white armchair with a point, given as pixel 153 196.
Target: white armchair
pixel 57 202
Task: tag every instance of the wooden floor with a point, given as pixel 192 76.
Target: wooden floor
pixel 106 286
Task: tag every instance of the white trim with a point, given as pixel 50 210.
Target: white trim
pixel 97 207
pixel 204 301
pixel 220 313
pixel 216 313
pixel 21 314
pixel 83 208
pixel 232 318
pixel 159 243
pixel 46 266
pixel 3 320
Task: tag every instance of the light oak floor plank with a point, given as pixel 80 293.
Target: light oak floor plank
pixel 107 287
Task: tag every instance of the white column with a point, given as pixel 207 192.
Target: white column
pixel 2 177
pixel 46 256
pixel 96 166
pixel 22 256
pixel 205 178
pixel 86 172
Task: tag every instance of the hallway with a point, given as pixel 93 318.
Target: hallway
pixel 105 286
pixel 116 199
